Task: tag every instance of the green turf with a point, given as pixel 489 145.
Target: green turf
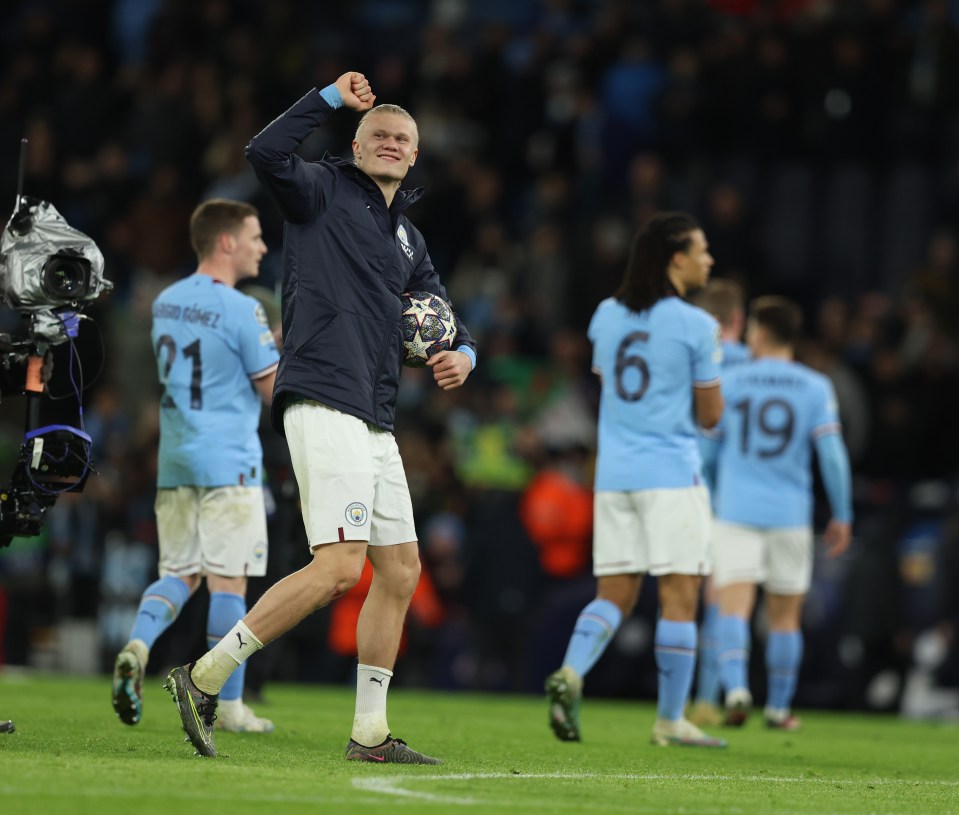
pixel 71 755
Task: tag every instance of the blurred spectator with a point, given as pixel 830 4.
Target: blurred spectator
pixel 557 512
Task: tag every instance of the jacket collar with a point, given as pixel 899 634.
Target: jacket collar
pixel 402 199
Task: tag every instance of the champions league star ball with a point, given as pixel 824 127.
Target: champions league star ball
pixel 428 327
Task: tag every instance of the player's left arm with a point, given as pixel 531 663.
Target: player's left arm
pixel 836 475
pixel 837 479
pixel 450 368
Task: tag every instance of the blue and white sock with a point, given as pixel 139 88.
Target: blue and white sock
pixel 225 611
pixel 733 653
pixel 160 605
pixel 784 650
pixel 594 629
pixel 675 662
pixel 707 677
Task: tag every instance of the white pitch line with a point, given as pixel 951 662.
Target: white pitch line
pixel 396 785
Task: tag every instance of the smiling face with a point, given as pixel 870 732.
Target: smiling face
pixel 385 146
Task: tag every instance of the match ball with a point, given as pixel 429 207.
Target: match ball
pixel 428 327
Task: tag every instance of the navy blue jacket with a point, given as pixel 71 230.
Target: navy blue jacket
pixel 347 258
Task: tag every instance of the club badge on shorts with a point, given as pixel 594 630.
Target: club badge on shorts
pixel 356 514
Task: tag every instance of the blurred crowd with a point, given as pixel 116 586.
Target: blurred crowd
pixel 816 141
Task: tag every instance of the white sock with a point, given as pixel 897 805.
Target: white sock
pixel 139 650
pixel 777 714
pixel 214 667
pixel 369 720
pixel 230 707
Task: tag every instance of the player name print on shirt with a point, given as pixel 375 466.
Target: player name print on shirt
pixel 189 314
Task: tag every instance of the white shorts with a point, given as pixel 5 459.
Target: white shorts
pixel 351 477
pixel 780 559
pixel 212 530
pixel 652 531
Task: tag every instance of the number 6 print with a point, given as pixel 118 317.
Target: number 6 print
pixel 626 361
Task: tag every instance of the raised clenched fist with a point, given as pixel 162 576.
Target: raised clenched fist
pixel 355 90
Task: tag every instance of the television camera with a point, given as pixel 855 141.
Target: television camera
pixel 48 272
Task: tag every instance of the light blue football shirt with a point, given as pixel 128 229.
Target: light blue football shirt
pixel 774 411
pixel 648 364
pixel 209 340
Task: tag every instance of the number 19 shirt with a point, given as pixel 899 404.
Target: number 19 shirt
pixel 775 409
pixel 210 340
pixel 649 363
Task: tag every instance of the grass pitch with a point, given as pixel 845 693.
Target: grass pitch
pixel 71 755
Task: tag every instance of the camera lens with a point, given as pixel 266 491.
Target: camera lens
pixel 66 276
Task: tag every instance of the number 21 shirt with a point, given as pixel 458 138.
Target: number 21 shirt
pixel 775 409
pixel 649 363
pixel 210 341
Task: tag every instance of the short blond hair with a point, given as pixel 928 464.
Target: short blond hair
pixel 723 298
pixel 393 110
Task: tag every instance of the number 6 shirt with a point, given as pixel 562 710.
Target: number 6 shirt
pixel 649 363
pixel 775 411
pixel 210 342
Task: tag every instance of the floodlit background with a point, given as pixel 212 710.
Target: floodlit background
pixel 816 141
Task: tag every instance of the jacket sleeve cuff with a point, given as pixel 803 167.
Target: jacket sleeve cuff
pixel 465 349
pixel 331 95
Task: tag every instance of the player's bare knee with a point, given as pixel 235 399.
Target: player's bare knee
pixel 335 569
pixel 400 579
pixel 396 570
pixel 405 578
pixel 414 574
pixel 345 580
